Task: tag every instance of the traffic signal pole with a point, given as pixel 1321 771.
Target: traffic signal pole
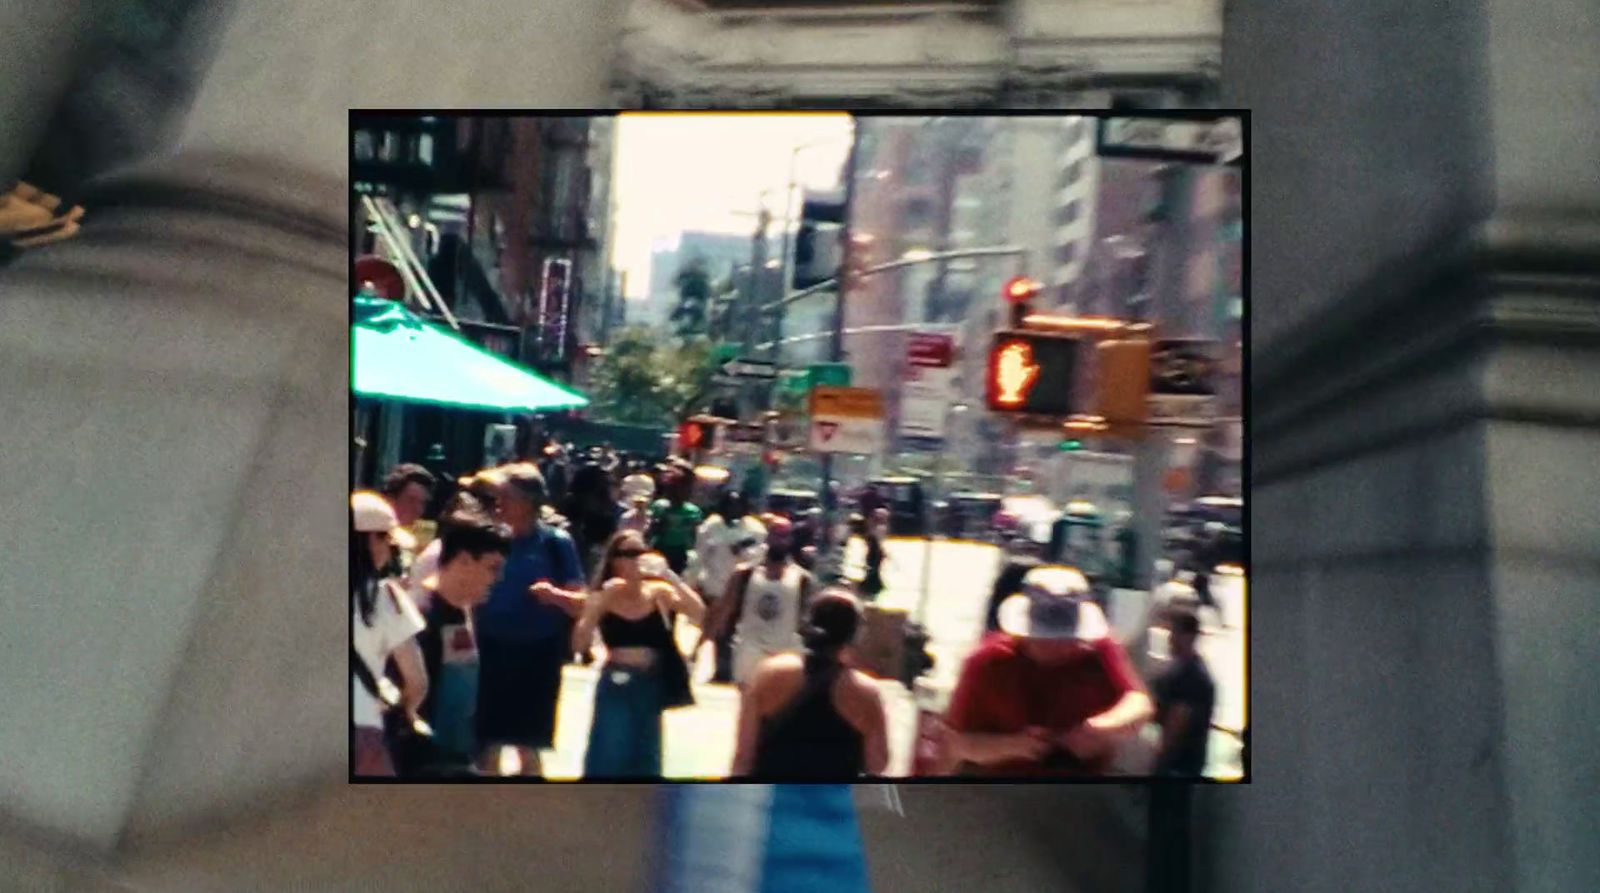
pixel 825 544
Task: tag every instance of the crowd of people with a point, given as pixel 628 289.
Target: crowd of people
pixel 460 642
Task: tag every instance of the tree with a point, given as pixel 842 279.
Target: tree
pixel 642 381
pixel 692 313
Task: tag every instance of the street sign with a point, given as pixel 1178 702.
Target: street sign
pixel 931 350
pixel 1201 140
pixel 764 370
pixel 847 420
pixel 829 375
pixel 1183 382
pixel 925 401
pixel 855 403
pixel 1184 367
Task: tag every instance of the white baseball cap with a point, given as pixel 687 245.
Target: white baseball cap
pixel 374 514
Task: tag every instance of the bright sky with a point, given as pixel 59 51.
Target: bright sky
pixel 685 171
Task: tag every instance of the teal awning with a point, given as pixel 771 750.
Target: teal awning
pixel 397 355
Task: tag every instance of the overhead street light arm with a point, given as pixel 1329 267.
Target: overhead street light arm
pixel 997 251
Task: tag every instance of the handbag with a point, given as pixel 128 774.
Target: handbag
pixel 676 688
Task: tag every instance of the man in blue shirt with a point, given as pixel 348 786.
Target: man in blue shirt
pixel 525 628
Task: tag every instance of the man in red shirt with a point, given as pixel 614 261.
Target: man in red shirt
pixel 1052 694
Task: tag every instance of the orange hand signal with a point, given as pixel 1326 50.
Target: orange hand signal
pixel 1015 372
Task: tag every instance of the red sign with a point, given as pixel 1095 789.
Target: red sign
pixel 931 350
pixel 384 276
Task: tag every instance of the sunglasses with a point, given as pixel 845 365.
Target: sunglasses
pixel 628 553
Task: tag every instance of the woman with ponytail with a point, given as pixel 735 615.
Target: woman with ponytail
pixel 809 716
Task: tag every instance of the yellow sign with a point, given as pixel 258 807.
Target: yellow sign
pixel 850 403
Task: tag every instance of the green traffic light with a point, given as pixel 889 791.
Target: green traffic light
pixel 1068 446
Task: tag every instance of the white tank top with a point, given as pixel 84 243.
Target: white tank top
pixel 770 619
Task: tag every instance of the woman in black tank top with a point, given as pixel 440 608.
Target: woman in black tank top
pixel 806 736
pixel 629 606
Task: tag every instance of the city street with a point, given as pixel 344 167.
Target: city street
pixel 699 740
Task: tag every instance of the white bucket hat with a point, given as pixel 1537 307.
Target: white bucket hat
pixel 1053 604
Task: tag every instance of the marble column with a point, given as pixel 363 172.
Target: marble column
pixel 1425 418
pixel 176 408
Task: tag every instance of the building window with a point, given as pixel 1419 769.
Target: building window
pixel 1067 213
pixel 1075 170
pixel 1067 254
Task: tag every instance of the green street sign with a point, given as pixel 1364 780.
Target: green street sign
pixel 829 375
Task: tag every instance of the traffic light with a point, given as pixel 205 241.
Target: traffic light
pixel 1032 373
pixel 1123 373
pixel 1070 445
pixel 817 246
pixel 1019 293
pixel 693 436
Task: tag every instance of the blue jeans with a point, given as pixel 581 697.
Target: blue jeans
pixel 625 734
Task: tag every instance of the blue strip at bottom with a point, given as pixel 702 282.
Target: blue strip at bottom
pixel 814 842
pixel 759 839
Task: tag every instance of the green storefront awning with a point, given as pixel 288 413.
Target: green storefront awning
pixel 397 355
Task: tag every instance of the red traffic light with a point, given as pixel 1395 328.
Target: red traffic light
pixel 691 435
pixel 1021 288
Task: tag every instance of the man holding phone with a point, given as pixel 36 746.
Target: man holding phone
pixel 1053 694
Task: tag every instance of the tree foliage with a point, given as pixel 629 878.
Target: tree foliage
pixel 691 315
pixel 645 380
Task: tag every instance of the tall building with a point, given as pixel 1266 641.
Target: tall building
pixel 1075 199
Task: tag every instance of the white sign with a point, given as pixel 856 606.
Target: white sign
pixel 925 401
pixel 848 434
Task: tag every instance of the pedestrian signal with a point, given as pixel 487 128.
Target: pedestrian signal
pixel 1032 373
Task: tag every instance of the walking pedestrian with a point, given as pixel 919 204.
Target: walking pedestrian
pixel 810 716
pixel 674 520
pixel 637 491
pixel 633 595
pixel 873 532
pixel 1053 694
pixel 525 627
pixel 409 489
pixel 473 550
pixel 383 622
pixel 730 537
pixel 1185 698
pixel 764 605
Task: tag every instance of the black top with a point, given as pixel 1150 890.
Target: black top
pixel 808 739
pixel 649 631
pixel 1187 682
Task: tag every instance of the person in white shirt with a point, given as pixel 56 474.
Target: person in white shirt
pixel 637 491
pixel 727 539
pixel 383 623
pixel 764 604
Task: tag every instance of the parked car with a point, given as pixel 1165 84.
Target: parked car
pixel 792 504
pixel 970 515
pixel 907 505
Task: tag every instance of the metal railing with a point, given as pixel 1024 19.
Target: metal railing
pixel 387 219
